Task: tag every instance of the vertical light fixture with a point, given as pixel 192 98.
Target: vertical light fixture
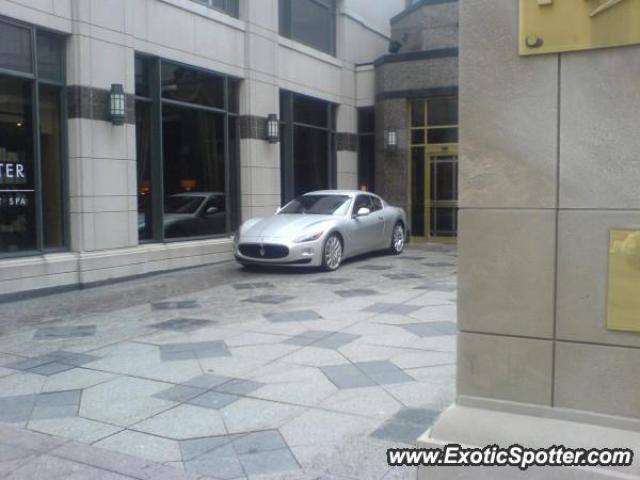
pixel 273 128
pixel 390 139
pixel 117 104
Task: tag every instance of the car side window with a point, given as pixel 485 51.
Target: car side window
pixel 362 201
pixel 217 202
pixel 377 204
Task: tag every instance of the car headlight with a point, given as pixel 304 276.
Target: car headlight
pixel 308 237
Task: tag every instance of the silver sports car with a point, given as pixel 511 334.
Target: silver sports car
pixel 321 229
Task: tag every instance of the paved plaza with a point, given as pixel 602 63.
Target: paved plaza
pixel 222 373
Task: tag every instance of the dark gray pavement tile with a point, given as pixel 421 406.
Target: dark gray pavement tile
pixel 406 426
pixel 183 324
pixel 375 268
pixel 52 333
pixel 259 442
pixel 347 376
pixel 253 285
pixel 332 281
pixel 221 462
pixel 54 411
pixel 437 287
pixel 52 363
pixel 269 299
pixel 182 305
pixel 403 276
pixel 384 373
pixel 213 400
pixel 179 393
pixel 192 350
pixel 207 381
pixel 239 387
pixel 52 368
pixel 56 399
pixel 392 308
pixel 432 329
pixel 293 316
pixel 439 264
pixel 356 292
pixel 270 462
pixel 322 339
pixel 191 449
pixel 16 409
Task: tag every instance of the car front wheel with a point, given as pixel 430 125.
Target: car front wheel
pixel 398 239
pixel 332 253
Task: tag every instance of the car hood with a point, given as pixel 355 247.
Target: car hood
pixel 283 226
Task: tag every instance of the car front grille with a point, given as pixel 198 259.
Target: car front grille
pixel 256 250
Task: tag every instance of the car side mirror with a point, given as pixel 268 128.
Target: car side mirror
pixel 278 210
pixel 363 212
pixel 211 211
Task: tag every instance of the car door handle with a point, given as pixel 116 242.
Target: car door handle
pixel 380 218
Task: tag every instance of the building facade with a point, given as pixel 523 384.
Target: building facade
pixel 87 196
pixel 548 268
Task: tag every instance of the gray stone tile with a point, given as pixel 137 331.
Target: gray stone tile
pixel 384 373
pixel 269 462
pixel 347 376
pixel 403 276
pixel 412 258
pixel 239 387
pixel 52 333
pixel 375 268
pixel 183 324
pixel 207 381
pixel 213 400
pixel 258 442
pixel 179 393
pixel 182 305
pixel 253 285
pixel 406 426
pixel 269 299
pixel 52 368
pixel 392 308
pixel 292 316
pixel 437 287
pixel 322 339
pixel 439 264
pixel 222 462
pixel 193 350
pixel 16 409
pixel 331 281
pixel 432 329
pixel 56 399
pixel 356 292
pixel 47 412
pixel 192 449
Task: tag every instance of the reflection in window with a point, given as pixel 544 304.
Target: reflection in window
pixel 17 168
pixel 194 172
pixel 366 148
pixel 312 22
pixel 182 117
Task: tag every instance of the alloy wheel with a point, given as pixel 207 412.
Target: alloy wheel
pixel 333 253
pixel 398 238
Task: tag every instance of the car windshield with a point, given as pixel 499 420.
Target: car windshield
pixel 182 204
pixel 318 205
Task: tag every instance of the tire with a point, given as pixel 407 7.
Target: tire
pixel 398 239
pixel 332 253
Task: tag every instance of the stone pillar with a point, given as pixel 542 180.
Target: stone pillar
pixel 102 165
pixel 259 96
pixel 548 165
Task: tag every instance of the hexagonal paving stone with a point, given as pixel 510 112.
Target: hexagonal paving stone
pixel 293 316
pixel 432 329
pixel 322 339
pixel 183 324
pixel 392 308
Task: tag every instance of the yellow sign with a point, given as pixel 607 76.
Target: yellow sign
pixel 624 281
pixel 548 26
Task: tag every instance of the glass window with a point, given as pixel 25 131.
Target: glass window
pixel 15 47
pixel 143 155
pixel 189 85
pixel 51 165
pixel 230 7
pixel 442 111
pixel 311 22
pixel 366 120
pixel 311 165
pixel 310 111
pixel 194 169
pixel 17 167
pixel 317 205
pixel 50 48
pixel 142 69
pixel 442 135
pixel 377 204
pixel 417 113
pixel 362 201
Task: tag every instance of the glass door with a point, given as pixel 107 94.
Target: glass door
pixel 442 203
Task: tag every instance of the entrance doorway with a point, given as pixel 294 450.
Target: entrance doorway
pixel 433 169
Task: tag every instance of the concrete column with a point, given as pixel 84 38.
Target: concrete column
pixel 548 165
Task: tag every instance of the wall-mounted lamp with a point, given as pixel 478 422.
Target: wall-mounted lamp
pixel 117 104
pixel 390 139
pixel 273 128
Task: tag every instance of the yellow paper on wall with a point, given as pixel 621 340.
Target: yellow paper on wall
pixel 624 281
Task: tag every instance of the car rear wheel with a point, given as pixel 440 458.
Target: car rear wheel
pixel 332 253
pixel 398 239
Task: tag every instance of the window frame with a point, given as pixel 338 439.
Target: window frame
pixel 231 7
pixel 285 14
pixel 157 187
pixel 35 81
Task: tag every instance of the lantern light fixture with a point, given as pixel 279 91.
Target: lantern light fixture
pixel 391 139
pixel 117 104
pixel 273 128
